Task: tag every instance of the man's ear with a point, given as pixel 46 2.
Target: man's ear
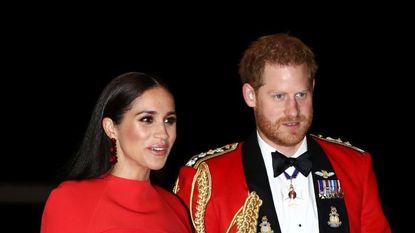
pixel 249 95
pixel 109 127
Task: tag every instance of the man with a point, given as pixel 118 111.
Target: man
pixel 281 179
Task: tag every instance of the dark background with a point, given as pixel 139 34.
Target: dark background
pixel 56 63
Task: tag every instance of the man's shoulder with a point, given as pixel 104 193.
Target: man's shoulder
pixel 329 141
pixel 195 160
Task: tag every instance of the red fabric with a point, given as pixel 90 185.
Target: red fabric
pixel 229 189
pixel 113 205
pixel 354 170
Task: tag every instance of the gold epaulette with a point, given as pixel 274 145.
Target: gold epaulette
pixel 338 141
pixel 197 159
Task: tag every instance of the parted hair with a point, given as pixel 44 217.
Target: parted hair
pixel 93 157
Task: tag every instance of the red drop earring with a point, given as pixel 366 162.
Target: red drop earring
pixel 113 151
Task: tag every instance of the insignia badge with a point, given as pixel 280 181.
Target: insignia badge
pixel 265 226
pixel 334 218
pixel 325 174
pixel 328 189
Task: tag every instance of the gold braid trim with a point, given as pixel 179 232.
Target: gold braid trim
pixel 246 218
pixel 337 141
pixel 176 187
pixel 199 158
pixel 204 186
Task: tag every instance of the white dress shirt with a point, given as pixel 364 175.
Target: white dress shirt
pixel 297 215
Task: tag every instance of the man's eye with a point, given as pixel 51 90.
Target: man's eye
pixel 279 96
pixel 301 95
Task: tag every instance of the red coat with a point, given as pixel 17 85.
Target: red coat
pixel 227 189
pixel 113 205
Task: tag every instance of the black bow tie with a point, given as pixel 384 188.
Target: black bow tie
pixel 281 162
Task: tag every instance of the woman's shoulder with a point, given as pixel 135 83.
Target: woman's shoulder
pixel 73 185
pixel 74 189
pixel 73 196
pixel 70 205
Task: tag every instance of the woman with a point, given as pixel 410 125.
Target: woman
pixel 131 132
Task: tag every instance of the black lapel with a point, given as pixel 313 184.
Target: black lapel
pixel 257 180
pixel 321 162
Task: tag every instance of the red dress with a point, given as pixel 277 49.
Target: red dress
pixel 113 205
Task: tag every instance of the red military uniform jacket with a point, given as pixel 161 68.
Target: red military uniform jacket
pixel 227 189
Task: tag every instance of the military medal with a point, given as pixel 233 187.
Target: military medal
pixel 265 226
pixel 291 192
pixel 329 189
pixel 334 218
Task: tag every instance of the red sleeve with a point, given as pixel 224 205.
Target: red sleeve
pixel 185 181
pixel 189 193
pixel 66 210
pixel 55 214
pixel 373 219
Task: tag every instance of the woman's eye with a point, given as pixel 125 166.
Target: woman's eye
pixel 170 120
pixel 147 119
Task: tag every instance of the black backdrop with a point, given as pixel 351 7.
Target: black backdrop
pixel 55 65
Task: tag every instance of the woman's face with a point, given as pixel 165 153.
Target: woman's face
pixel 146 134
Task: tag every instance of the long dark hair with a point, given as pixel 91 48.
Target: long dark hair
pixel 92 158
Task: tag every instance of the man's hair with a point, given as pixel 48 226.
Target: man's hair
pixel 281 49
